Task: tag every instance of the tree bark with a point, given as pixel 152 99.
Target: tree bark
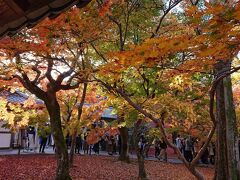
pixel 140 156
pixel 231 129
pixel 221 153
pixel 53 108
pixel 141 167
pixel 124 145
pixel 226 161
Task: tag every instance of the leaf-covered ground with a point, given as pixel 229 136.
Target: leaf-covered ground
pixel 90 168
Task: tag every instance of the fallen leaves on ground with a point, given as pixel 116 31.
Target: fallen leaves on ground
pixel 90 168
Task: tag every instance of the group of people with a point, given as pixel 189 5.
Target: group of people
pixel 82 144
pixel 160 148
pixel 106 143
pixel 189 147
pixel 30 140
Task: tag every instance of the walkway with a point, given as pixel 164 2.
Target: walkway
pixel 49 150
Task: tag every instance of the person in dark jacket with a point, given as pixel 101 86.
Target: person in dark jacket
pixel 188 149
pixel 43 144
pixel 157 148
pixel 78 144
pixel 85 145
pixel 43 134
pixel 163 151
pixel 204 157
pixel 96 147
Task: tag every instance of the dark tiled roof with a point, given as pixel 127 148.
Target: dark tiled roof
pixel 17 97
pixel 17 14
pixel 20 97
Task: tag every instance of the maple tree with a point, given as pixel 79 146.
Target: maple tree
pixel 51 57
pixel 134 21
pixel 182 52
pixel 34 58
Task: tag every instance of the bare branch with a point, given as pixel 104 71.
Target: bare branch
pixel 165 12
pixel 80 107
pixel 119 25
pixel 68 86
pixel 98 53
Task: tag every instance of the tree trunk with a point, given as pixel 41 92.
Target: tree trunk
pixel 221 150
pixel 61 148
pixel 124 144
pixel 72 149
pixel 140 156
pixel 226 161
pixel 231 129
pixel 19 141
pixel 80 109
pixel 141 167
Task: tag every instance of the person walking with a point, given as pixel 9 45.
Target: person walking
pixel 204 157
pixel 212 153
pixel 31 138
pixel 78 144
pixel 85 145
pixel 43 144
pixel 157 148
pixel 196 147
pixel 110 145
pixel 96 147
pixel 163 151
pixel 179 142
pixel 188 149
pixel 43 134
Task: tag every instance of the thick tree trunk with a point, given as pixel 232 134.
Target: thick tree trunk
pixel 221 151
pixel 61 148
pixel 226 160
pixel 124 145
pixel 231 129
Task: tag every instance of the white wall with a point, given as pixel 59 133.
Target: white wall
pixel 5 140
pixel 5 137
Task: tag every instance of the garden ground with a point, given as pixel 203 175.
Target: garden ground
pixel 91 168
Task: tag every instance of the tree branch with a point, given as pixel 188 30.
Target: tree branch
pixel 98 53
pixel 49 70
pixel 170 7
